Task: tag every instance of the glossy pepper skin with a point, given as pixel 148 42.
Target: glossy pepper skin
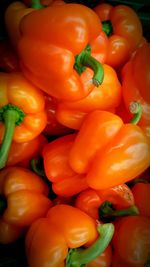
pixel 141 193
pixel 21 153
pixel 124 30
pixel 110 152
pixel 23 198
pixel 9 61
pixel 65 182
pixel 132 240
pixel 50 48
pixel 22 112
pixel 135 75
pixel 48 239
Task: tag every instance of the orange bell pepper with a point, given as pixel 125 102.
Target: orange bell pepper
pixel 13 15
pixel 48 239
pixel 107 204
pixel 110 152
pixel 56 47
pixel 21 153
pixel 22 114
pixel 141 193
pixel 135 75
pixel 65 182
pixel 9 61
pixel 131 240
pixel 124 30
pixel 23 198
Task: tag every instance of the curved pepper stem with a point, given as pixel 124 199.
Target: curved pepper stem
pixel 107 212
pixel 11 116
pixel 36 4
pixel 136 109
pixel 84 59
pixel 34 166
pixel 3 204
pixel 107 27
pixel 80 257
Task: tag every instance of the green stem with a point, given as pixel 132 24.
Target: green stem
pixel 11 116
pixel 83 60
pixel 80 257
pixel 107 212
pixel 107 27
pixel 136 109
pixel 3 204
pixel 36 4
pixel 35 167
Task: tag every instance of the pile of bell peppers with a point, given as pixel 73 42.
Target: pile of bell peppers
pixel 75 134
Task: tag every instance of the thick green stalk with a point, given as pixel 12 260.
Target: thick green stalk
pixel 107 27
pixel 80 257
pixel 136 109
pixel 107 212
pixel 36 4
pixel 11 116
pixel 83 60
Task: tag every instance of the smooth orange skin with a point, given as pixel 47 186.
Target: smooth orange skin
pixel 55 156
pixel 104 260
pixel 13 15
pixel 136 77
pixel 79 230
pixel 117 261
pixel 141 193
pixel 26 195
pixel 21 152
pixel 127 32
pixel 9 233
pixel 105 96
pixel 126 156
pixel 90 200
pixel 132 239
pixel 9 61
pixel 48 239
pixel 15 89
pixel 53 127
pixel 43 45
pixel 70 186
pixel 98 128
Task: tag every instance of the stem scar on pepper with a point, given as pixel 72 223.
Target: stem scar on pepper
pixel 83 60
pixel 11 116
pixel 136 109
pixel 81 257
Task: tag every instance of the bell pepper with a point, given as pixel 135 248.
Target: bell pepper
pixel 117 261
pixel 107 204
pixel 136 84
pixel 13 15
pixel 131 240
pixel 9 61
pixel 55 50
pixel 107 96
pixel 53 127
pixel 23 197
pixel 124 30
pixel 141 193
pixel 48 239
pixel 9 233
pixel 108 151
pixel 65 182
pixel 22 153
pixel 22 113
